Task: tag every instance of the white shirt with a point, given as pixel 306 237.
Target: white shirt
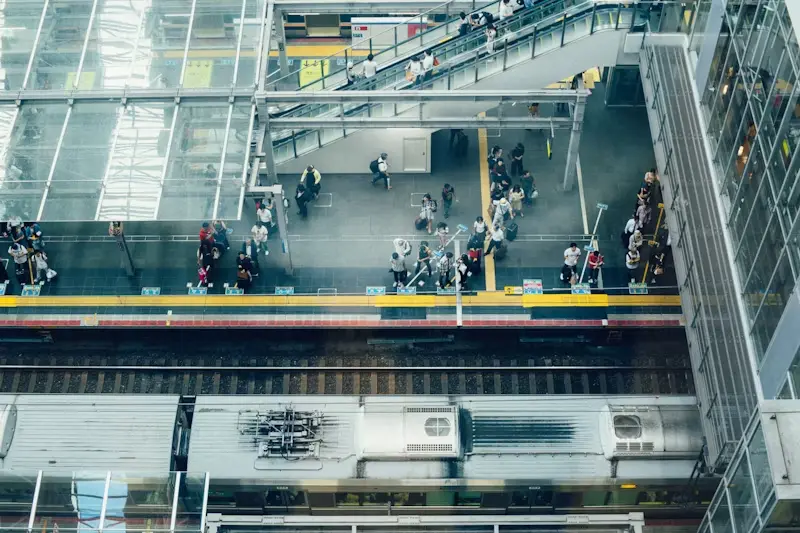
pixel 571 256
pixel 479 227
pixel 490 35
pixel 382 166
pixel 498 235
pixel 264 215
pixel 259 234
pixel 370 68
pixel 414 67
pixel 506 10
pixel 630 226
pixel 427 62
pixel 632 260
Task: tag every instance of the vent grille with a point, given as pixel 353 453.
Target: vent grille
pixel 429 447
pixel 429 409
pixel 635 447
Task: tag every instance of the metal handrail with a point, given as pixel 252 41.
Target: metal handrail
pixel 387 30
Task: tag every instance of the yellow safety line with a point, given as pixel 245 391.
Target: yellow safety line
pixel 658 225
pixel 298 50
pixel 481 299
pixel 483 149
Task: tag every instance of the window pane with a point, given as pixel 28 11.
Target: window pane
pixel 56 61
pixel 468 498
pixel 760 467
pixel 742 499
pixel 347 498
pixel 20 21
pixel 721 519
pixel 213 44
pixel 777 295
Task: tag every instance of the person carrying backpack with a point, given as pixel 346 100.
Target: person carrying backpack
pixel 380 170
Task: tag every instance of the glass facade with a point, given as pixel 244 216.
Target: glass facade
pixel 752 109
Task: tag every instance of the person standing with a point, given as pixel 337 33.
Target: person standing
pixel 369 69
pixel 250 251
pixel 464 24
pixel 207 233
pixel 515 197
pixel 494 156
pixel 479 229
pixel 632 259
pixel 260 236
pixel 243 278
pixel 264 214
pixel 516 159
pixel 428 62
pixel 571 256
pixel 34 235
pixel 426 213
pixel 491 35
pixel 630 227
pixel 643 213
pixel 445 264
pixel 424 259
pixel 497 239
pixel 463 271
pixel 311 180
pixel 528 186
pixel 506 9
pixel 302 196
pixel 414 71
pixel 442 232
pixel 595 264
pixel 398 269
pixel 380 170
pixel 448 195
pixel 636 240
pixel 221 233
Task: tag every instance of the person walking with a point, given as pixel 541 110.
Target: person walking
pixel 260 235
pixel 380 170
pixel 496 239
pixel 243 278
pixel 369 68
pixel 442 232
pixel 424 260
pixel 302 196
pixel 515 197
pixel 506 9
pixel 636 240
pixel 311 179
pixel 426 213
pixel 516 160
pixel 250 251
pixel 491 35
pixel 595 264
pixel 448 195
pixel 264 214
pixel 571 256
pixel 445 264
pixel 643 213
pixel 627 232
pixel 479 229
pixel 398 269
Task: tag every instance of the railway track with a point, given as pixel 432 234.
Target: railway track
pixel 77 374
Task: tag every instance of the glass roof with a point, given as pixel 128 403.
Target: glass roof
pixel 63 158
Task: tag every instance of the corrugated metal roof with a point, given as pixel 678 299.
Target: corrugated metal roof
pixel 72 433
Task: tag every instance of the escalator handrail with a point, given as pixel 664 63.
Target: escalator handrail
pixel 519 39
pixel 461 42
pixel 351 47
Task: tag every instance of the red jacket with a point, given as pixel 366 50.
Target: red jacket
pixel 595 260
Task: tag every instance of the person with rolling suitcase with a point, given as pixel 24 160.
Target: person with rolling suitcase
pixel 511 230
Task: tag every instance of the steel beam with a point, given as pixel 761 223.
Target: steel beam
pixel 571 170
pixel 375 6
pixel 462 122
pixel 262 70
pixel 280 37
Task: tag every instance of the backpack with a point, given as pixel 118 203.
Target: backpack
pixel 373 167
pixel 434 206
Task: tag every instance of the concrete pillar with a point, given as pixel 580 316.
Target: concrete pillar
pixel 283 228
pixel 571 170
pixel 280 37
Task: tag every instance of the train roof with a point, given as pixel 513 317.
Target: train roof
pixel 379 437
pixel 70 433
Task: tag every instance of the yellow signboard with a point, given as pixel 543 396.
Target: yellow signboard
pixel 198 74
pixel 85 83
pixel 312 70
pixel 512 291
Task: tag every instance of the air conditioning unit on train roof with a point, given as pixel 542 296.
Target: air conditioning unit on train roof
pixel 388 432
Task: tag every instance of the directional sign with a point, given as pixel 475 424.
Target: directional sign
pixel 581 288
pixel 462 228
pixel 151 291
pixel 31 290
pixel 198 291
pixel 407 291
pixel 589 248
pixel 602 207
pixel 446 290
pixel 511 291
pixel 532 286
pixel 637 288
pixel 284 291
pixel 3 287
pixel 376 291
pixel 233 291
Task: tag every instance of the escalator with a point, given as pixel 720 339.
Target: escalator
pixel 465 61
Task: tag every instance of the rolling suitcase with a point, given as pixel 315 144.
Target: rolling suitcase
pixel 420 223
pixel 511 231
pixel 499 253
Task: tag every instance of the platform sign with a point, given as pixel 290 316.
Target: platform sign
pixel 151 291
pixel 512 291
pixel 376 291
pixel 581 288
pixel 284 291
pixel 3 287
pixel 602 207
pixel 462 228
pixel 589 248
pixel 532 286
pixel 407 291
pixel 198 291
pixel 31 290
pixel 637 288
pixel 233 291
pixel 445 291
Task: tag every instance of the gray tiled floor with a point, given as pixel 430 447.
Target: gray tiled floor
pixel 348 245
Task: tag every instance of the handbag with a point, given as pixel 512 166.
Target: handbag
pixel 50 274
pixel 535 194
pixel 409 76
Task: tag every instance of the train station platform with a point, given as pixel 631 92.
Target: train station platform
pixel 344 246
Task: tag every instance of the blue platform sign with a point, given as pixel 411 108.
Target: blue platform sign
pixel 408 291
pixel 198 291
pixel 589 248
pixel 31 290
pixel 532 286
pixel 233 291
pixel 602 207
pixel 446 290
pixel 151 291
pixel 637 288
pixel 3 287
pixel 376 291
pixel 462 228
pixel 284 291
pixel 581 288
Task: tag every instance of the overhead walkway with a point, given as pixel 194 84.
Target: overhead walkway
pixel 465 61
